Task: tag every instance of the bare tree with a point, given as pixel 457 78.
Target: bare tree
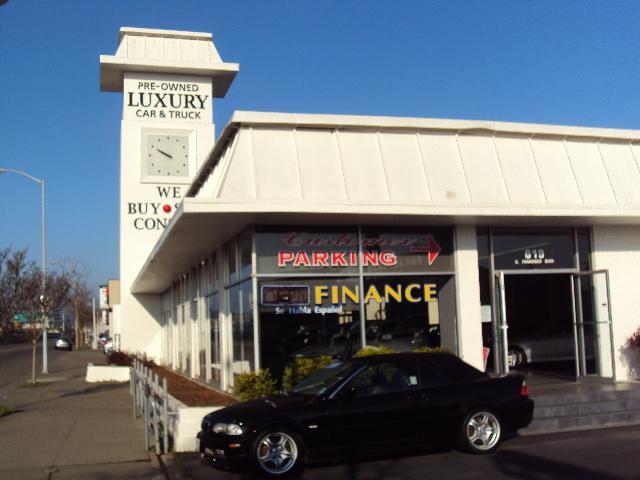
pixel 77 272
pixel 19 285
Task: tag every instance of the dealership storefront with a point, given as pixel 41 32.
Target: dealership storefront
pixel 314 291
pixel 505 284
pixel 514 246
pixel 272 294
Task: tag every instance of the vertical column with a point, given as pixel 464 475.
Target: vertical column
pixel 615 248
pixel 469 325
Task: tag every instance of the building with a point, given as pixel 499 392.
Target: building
pixel 505 243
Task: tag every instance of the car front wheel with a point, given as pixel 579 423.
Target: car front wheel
pixel 516 357
pixel 480 431
pixel 277 453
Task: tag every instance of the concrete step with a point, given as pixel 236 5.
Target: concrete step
pixel 582 422
pixel 607 406
pixel 593 396
pixel 586 408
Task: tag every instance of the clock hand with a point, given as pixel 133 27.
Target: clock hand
pixel 164 153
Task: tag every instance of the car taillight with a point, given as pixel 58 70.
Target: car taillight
pixel 524 390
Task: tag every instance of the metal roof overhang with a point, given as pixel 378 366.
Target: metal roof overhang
pixel 112 69
pixel 200 226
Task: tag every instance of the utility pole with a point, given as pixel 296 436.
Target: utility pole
pixel 43 270
pixel 94 342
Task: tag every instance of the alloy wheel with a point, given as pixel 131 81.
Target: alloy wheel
pixel 483 431
pixel 277 453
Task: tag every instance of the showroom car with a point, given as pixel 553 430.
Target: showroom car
pixel 370 404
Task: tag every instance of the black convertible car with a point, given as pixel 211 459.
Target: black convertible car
pixel 369 404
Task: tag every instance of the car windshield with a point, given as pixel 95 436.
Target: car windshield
pixel 321 380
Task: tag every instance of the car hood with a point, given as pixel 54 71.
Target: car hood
pixel 247 411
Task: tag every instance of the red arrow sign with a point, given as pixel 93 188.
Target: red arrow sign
pixel 433 249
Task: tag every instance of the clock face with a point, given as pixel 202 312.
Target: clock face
pixel 167 155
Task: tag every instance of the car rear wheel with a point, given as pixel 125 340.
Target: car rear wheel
pixel 277 452
pixel 480 431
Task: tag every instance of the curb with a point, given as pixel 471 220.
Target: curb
pixel 167 466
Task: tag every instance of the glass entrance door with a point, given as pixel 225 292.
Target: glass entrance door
pixel 536 325
pixel 593 335
pixel 554 326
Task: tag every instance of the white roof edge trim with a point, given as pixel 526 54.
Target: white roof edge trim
pixel 417 123
pixel 208 205
pixel 156 32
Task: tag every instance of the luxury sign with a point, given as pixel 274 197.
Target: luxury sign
pixel 169 98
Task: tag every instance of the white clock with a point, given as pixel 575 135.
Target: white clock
pixel 166 155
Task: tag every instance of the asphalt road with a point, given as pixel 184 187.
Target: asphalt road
pixel 15 364
pixel 606 454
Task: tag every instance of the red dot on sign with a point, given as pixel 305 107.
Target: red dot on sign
pixel 166 208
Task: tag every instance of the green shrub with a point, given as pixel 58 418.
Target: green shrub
pixel 431 350
pixel 301 368
pixel 253 385
pixel 4 411
pixel 367 351
pixel 633 342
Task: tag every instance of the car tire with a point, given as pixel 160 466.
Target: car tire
pixel 480 431
pixel 518 355
pixel 277 452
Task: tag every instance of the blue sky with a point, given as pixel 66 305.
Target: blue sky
pixel 573 62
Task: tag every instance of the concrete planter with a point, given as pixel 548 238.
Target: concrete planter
pixel 187 424
pixel 106 373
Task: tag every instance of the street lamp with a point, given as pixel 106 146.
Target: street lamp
pixel 43 271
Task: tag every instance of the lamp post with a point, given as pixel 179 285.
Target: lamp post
pixel 94 341
pixel 45 367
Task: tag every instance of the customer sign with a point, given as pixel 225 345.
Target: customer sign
pixel 315 251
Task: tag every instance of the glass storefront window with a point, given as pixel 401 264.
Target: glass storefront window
pixel 584 249
pixel 407 250
pixel 213 302
pixel 231 263
pixel 241 309
pixel 529 249
pixel 404 313
pixel 307 317
pixel 244 246
pixel 307 250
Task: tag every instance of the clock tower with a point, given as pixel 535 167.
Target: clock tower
pixel 168 80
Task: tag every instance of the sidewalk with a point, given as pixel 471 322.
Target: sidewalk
pixel 71 429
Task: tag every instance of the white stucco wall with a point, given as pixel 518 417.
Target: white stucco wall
pixel 469 329
pixel 142 199
pixel 618 250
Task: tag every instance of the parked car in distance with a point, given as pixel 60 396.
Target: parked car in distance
pixel 107 348
pixel 369 404
pixel 63 343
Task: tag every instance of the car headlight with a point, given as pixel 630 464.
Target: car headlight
pixel 227 428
